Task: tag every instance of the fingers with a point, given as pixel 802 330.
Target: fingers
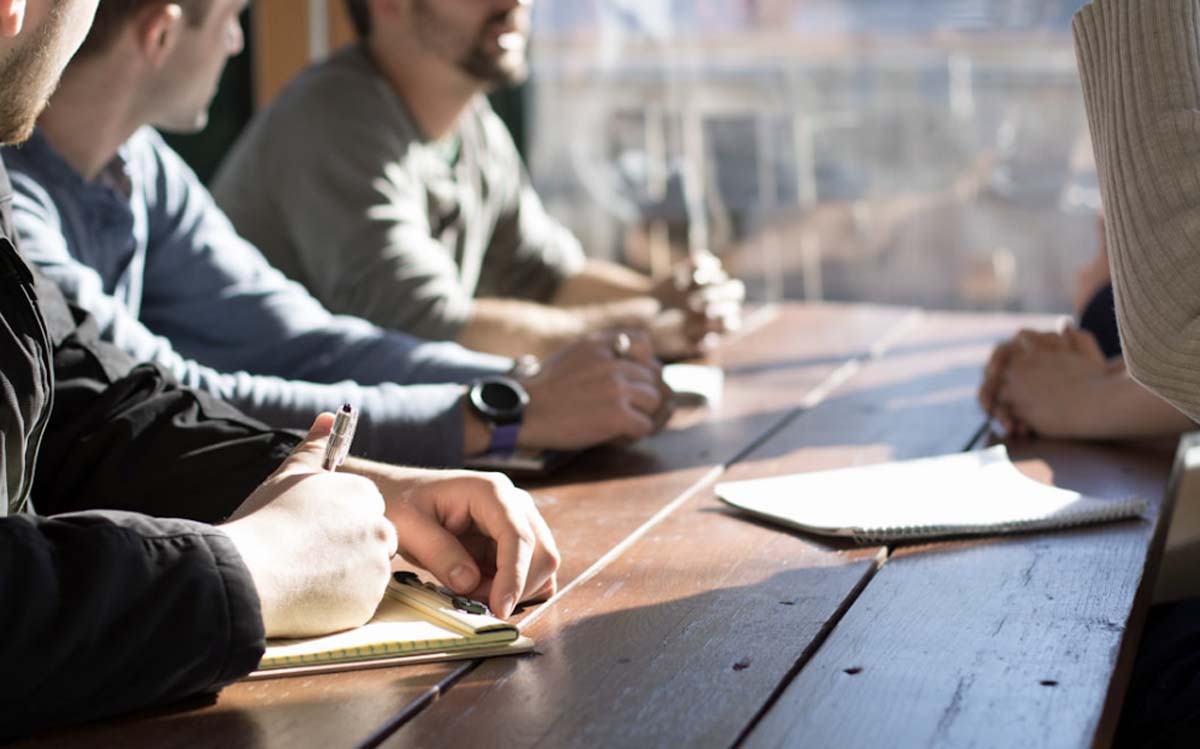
pixel 643 404
pixel 1030 340
pixel 644 397
pixel 1024 344
pixel 640 349
pixel 713 310
pixel 993 373
pixel 672 339
pixel 482 525
pixel 711 299
pixel 711 321
pixel 532 550
pixel 727 292
pixel 1002 413
pixel 642 389
pixel 514 556
pixel 627 370
pixel 423 541
pixel 310 453
pixel 1085 343
pixel 633 423
pixel 514 539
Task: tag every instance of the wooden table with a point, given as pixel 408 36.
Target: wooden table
pixel 679 623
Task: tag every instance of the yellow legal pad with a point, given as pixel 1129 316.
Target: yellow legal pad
pixel 415 623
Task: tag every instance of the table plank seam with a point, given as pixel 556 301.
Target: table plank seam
pixel 427 698
pixel 817 395
pixel 814 646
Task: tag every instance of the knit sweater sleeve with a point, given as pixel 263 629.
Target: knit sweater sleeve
pixel 1140 66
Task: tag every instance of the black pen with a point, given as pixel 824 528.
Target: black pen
pixel 340 437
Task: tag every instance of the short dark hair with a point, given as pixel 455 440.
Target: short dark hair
pixel 112 15
pixel 360 16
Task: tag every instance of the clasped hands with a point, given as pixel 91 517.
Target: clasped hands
pixel 699 302
pixel 1047 383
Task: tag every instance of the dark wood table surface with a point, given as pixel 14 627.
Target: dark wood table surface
pixel 680 623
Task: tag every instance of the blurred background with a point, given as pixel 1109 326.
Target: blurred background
pixel 926 152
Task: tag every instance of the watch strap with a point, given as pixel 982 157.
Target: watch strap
pixel 504 438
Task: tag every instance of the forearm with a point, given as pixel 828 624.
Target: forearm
pixel 1138 62
pixel 1130 411
pixel 600 282
pixel 80 641
pixel 514 328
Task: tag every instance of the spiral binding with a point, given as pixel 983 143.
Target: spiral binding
pixel 1128 508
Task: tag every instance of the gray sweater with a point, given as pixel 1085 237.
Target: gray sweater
pixel 338 187
pixel 1140 64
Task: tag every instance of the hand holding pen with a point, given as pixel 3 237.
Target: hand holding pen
pixel 478 534
pixel 316 542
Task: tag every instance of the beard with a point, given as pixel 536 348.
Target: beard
pixel 492 69
pixel 495 71
pixel 27 78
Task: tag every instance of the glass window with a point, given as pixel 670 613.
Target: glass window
pixel 929 152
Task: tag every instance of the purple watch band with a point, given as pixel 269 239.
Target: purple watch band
pixel 504 439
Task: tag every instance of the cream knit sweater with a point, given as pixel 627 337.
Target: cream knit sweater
pixel 1140 64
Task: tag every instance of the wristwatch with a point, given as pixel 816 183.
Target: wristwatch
pixel 501 401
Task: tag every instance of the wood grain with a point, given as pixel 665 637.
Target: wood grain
pixel 994 642
pixel 685 637
pixel 609 493
pixel 592 507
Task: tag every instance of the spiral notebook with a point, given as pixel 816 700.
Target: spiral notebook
pixel 415 623
pixel 975 493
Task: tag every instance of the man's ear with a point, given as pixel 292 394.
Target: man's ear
pixel 12 17
pixel 158 28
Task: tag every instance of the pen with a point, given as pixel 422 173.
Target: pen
pixel 340 437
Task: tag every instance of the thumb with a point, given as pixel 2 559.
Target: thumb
pixel 310 453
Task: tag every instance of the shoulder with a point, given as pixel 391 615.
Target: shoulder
pixel 147 150
pixel 162 173
pixel 38 217
pixel 33 205
pixel 336 112
pixel 343 91
pixel 35 161
pixel 29 182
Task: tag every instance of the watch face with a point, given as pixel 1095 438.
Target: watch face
pixel 500 399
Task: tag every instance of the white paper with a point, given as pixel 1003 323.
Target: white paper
pixel 961 493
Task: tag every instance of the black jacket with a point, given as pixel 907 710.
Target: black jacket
pixel 104 605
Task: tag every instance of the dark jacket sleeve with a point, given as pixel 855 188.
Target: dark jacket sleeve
pixel 128 437
pixel 106 612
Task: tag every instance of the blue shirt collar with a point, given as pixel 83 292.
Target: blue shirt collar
pixel 115 178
